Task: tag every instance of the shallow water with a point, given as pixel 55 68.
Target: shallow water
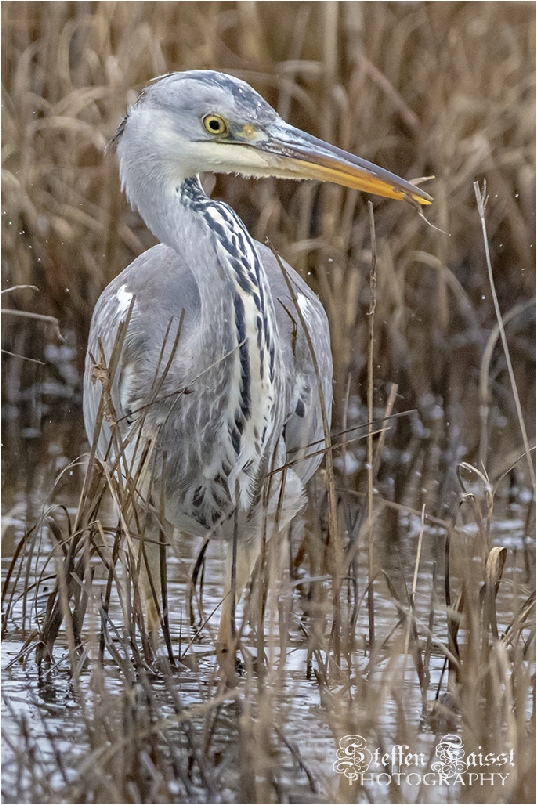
pixel 44 713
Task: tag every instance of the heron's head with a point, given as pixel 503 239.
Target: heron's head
pixel 201 120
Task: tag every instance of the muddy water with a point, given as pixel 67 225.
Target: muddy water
pixel 43 718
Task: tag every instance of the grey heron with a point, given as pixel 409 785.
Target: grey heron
pixel 215 374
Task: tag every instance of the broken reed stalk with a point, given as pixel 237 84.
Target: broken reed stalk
pixel 412 628
pixel 165 621
pixel 25 314
pixel 233 591
pixel 370 456
pixel 392 396
pixel 484 378
pixel 482 198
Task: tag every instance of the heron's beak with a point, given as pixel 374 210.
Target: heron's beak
pixel 298 155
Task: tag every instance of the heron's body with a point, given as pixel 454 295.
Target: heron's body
pixel 216 387
pixel 215 434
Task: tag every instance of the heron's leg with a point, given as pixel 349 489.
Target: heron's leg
pixel 226 641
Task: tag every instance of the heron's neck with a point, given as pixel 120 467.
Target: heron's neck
pixel 226 263
pixel 215 245
pixel 217 248
pixel 206 234
pixel 237 312
pixel 237 333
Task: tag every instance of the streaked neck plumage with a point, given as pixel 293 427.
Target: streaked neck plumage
pixel 237 313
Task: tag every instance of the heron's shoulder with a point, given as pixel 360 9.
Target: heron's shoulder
pixel 161 294
pixel 158 280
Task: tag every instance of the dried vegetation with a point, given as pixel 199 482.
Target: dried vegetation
pixel 408 597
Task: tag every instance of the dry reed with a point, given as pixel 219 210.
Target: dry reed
pixel 426 88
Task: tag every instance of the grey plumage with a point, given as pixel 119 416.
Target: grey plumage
pixel 189 423
pixel 239 397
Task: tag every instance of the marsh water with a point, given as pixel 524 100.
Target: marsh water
pixel 43 715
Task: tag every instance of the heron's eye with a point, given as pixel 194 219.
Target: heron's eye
pixel 215 124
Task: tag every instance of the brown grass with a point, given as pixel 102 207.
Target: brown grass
pixel 426 88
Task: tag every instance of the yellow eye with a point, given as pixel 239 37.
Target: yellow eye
pixel 215 124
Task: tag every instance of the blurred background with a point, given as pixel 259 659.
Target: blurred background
pixel 443 89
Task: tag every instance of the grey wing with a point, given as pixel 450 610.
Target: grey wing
pixel 165 299
pixel 304 431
